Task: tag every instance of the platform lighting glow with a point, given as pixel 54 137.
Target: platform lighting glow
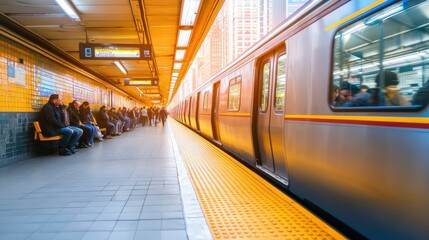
pixel 189 12
pixel 69 9
pixel 184 36
pixel 177 66
pixel 121 67
pixel 141 92
pixel 180 54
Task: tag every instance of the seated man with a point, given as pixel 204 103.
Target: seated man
pixel 88 132
pixel 105 123
pixel 124 119
pixel 113 118
pixel 52 124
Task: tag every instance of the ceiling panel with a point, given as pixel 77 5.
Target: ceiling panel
pixel 110 21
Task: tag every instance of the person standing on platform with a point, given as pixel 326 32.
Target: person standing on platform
pixel 163 115
pixel 52 124
pixel 144 116
pixel 150 115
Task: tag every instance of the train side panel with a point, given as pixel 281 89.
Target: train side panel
pixel 236 125
pixel 373 178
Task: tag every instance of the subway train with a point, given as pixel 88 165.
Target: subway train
pixel 312 105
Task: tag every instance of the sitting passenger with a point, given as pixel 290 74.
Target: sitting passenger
pixel 113 118
pixel 88 132
pixel 389 96
pixel 346 92
pixel 422 95
pixel 51 122
pixel 86 118
pixel 125 120
pixel 66 121
pixel 105 123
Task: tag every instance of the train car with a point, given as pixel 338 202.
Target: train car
pixel 333 104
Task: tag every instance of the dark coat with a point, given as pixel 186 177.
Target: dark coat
pixel 50 119
pixel 74 115
pixel 103 119
pixel 85 115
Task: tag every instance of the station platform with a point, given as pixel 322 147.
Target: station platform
pixel 150 183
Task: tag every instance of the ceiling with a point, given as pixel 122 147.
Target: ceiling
pixel 153 22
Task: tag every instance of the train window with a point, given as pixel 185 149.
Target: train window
pixel 280 84
pixel 234 94
pixel 382 61
pixel 265 87
pixel 206 101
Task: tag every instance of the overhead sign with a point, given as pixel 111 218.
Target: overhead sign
pixel 115 51
pixel 141 82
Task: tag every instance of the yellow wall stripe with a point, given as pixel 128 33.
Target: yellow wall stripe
pixel 355 14
pixel 424 120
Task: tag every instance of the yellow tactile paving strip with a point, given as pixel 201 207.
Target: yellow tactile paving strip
pixel 239 204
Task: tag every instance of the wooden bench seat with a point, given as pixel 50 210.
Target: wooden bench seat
pixel 38 135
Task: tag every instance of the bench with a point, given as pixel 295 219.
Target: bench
pixel 38 135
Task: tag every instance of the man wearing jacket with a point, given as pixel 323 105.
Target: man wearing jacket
pixel 51 122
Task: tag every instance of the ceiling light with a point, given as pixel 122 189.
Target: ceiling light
pixel 175 74
pixel 184 36
pixel 121 67
pixel 177 66
pixel 69 9
pixel 189 12
pixel 139 90
pixel 180 54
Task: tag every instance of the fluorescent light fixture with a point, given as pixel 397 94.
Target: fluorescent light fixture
pixel 69 9
pixel 139 90
pixel 175 74
pixel 177 66
pixel 184 36
pixel 189 12
pixel 121 67
pixel 180 54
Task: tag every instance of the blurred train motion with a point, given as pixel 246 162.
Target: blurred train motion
pixel 333 104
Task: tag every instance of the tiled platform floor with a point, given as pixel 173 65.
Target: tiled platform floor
pixel 130 187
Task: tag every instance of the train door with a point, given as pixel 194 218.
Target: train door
pixel 197 111
pixel 270 114
pixel 185 110
pixel 189 112
pixel 215 112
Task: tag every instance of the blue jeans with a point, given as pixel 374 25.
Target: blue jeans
pixel 127 122
pixel 69 137
pixel 77 133
pixel 92 133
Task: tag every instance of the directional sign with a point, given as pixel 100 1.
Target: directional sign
pixel 99 51
pixel 141 82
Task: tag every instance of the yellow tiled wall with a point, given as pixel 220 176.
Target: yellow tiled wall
pixel 27 79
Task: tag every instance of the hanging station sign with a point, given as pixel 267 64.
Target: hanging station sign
pixel 100 51
pixel 141 82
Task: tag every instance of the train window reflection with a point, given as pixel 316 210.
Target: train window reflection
pixel 280 84
pixel 206 101
pixel 383 60
pixel 265 87
pixel 234 94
